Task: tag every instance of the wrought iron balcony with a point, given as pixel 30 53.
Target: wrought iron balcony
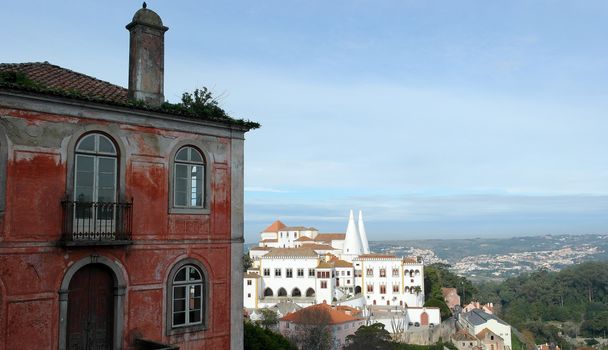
pixel 96 223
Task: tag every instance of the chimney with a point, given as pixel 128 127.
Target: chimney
pixel 146 57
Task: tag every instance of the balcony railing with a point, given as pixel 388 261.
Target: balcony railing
pixel 96 223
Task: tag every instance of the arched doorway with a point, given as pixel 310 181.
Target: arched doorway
pixel 282 292
pixel 358 290
pixel 310 292
pixel 424 319
pixel 268 292
pixel 296 292
pixel 90 321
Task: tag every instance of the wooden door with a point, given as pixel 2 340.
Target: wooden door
pixel 91 309
pixel 424 319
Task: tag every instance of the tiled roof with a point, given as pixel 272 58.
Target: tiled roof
pixel 463 335
pixel 55 77
pixel 319 247
pixel 448 291
pixel 270 240
pixel 485 332
pixel 325 265
pixel 342 263
pixel 298 228
pixel 319 313
pixel 251 275
pixel 478 317
pixel 410 261
pixel 325 237
pixel 291 252
pixel 275 226
pixel 303 238
pixel 260 248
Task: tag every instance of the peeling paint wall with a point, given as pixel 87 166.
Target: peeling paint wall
pixel 39 174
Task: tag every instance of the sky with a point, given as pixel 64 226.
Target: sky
pixel 438 119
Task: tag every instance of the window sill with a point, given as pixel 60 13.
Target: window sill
pixel 190 211
pixel 186 329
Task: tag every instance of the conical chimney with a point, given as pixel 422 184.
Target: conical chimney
pixel 352 242
pixel 362 234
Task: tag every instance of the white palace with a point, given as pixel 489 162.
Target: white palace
pixel 300 265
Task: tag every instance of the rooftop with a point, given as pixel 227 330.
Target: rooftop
pixel 274 227
pixel 323 237
pixel 478 317
pixel 319 313
pixel 291 252
pixel 46 79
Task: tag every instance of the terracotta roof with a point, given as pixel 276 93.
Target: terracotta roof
pixel 270 240
pixel 324 237
pixel 485 332
pixel 325 265
pixel 260 248
pixel 251 275
pixel 55 77
pixel 463 335
pixel 409 261
pixel 342 263
pixel 291 252
pixel 349 310
pixel 448 291
pixel 304 238
pixel 298 228
pixel 376 256
pixel 275 226
pixel 320 312
pixel 319 247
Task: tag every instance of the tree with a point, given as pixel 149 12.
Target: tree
pixel 368 338
pixel 312 329
pixel 269 318
pixel 258 338
pixel 246 261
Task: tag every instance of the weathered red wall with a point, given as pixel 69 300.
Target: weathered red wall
pixel 32 265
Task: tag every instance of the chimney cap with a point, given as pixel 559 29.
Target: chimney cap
pixel 146 17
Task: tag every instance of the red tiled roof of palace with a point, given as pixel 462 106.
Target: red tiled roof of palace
pixel 334 316
pixel 275 227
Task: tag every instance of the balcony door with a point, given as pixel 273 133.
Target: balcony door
pixel 95 185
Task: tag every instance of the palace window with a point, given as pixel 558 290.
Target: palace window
pixel 370 288
pixel 300 272
pixel 289 273
pixel 311 272
pixel 266 272
pixel 395 272
pixel 277 272
pixel 395 288
pixel 248 282
pixel 323 284
pixel 382 272
pixel 189 179
pixel 369 272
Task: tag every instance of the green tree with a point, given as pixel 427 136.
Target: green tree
pixel 269 318
pixel 258 338
pixel 369 337
pixel 246 261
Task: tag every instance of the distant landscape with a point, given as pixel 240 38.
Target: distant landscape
pixel 496 258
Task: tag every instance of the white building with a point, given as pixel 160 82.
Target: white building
pixel 301 265
pixel 476 320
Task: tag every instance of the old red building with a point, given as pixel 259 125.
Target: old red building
pixel 119 220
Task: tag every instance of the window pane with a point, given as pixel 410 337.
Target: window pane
pixel 181 185
pixel 182 154
pixel 87 144
pixel 197 186
pixel 195 156
pixel 194 275
pixel 197 290
pixel 195 316
pixel 181 276
pixel 107 165
pixel 105 145
pixel 179 318
pixel 179 305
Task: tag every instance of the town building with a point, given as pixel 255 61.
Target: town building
pixel 121 221
pixel 487 308
pixel 302 265
pixel 465 341
pixel 486 327
pixel 339 322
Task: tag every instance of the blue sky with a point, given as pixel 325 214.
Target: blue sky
pixel 437 118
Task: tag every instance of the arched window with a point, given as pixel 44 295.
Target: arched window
pixel 296 292
pixel 282 292
pixel 187 297
pixel 96 169
pixel 268 292
pixel 310 292
pixel 189 178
